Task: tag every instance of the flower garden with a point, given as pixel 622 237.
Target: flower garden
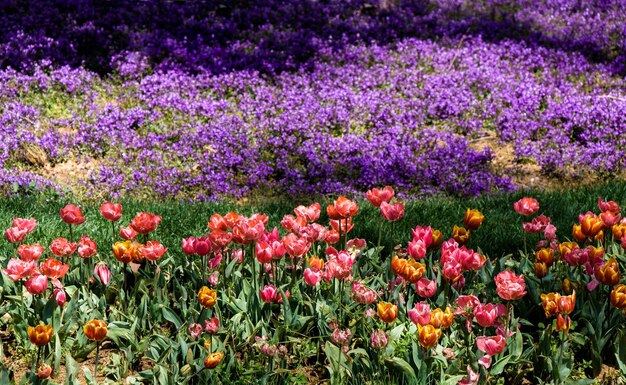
pixel 310 192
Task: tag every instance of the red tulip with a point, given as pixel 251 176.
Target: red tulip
pixel 526 206
pixel 376 196
pixel 111 211
pixel 128 233
pixel 53 268
pixel 145 223
pixel 342 208
pixel 152 250
pixel 217 222
pixel 30 252
pixel 72 215
pixel 202 246
pixel 263 252
pixel 15 234
pixel 61 247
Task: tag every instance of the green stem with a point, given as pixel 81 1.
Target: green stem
pixel 95 370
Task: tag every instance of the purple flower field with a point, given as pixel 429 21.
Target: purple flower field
pixel 203 100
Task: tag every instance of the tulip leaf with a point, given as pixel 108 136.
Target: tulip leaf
pixel 170 316
pixel 498 367
pixel 400 364
pixel 620 350
pixel 71 370
pixel 118 331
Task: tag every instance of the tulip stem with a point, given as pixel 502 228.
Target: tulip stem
pixel 112 232
pixel 95 370
pixel 36 363
pixel 71 233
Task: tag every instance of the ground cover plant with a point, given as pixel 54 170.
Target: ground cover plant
pixel 307 302
pixel 310 97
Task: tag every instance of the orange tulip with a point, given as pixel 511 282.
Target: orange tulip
pixel 448 318
pixel 413 270
pixel 436 318
pixel 618 296
pixel 387 311
pixel 563 323
pixel 397 265
pixel 619 230
pixel 473 219
pixel 546 256
pixel 428 336
pixel 126 251
pixel 437 239
pixel 342 208
pixel 207 297
pixel 460 234
pixel 608 273
pixel 578 233
pixel 566 303
pixel 550 304
pixel 96 330
pixel 316 263
pixel 590 225
pixel 566 247
pixel 213 360
pixel 41 334
pixel 541 269
pixel 145 223
pixel 595 254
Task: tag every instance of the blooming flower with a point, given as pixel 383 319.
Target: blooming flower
pixel 30 252
pixel 377 196
pixel 41 334
pixel 72 215
pixel 387 312
pixel 96 330
pixel 145 223
pixel 526 206
pixel 18 269
pixel 509 286
pixel 61 247
pixel 392 212
pixel 111 211
pixel 86 247
pixel 53 268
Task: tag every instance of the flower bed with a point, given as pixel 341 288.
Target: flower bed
pixel 245 302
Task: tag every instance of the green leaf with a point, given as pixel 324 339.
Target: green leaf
pixel 498 367
pixel 118 332
pixel 398 363
pixel 172 317
pixel 620 350
pixel 71 370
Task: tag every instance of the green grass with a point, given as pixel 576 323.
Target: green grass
pixel 500 234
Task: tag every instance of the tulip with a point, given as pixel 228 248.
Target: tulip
pixel 316 263
pixel 312 277
pixel 590 225
pixel 460 234
pixel 44 371
pixel 420 314
pixel 550 304
pixel 473 219
pixel 18 269
pixel 387 312
pixel 217 222
pixel 60 297
pixel 332 237
pixel 72 215
pixel 40 335
pixel 212 326
pixel 96 330
pixel 526 206
pixel 436 318
pixel 36 284
pixel 471 260
pixel 566 303
pixel 541 269
pixel 545 256
pixel 471 378
pixel 30 252
pixel 111 211
pixel 263 252
pixel 248 230
pixel 376 197
pixel 25 224
pixel 293 224
pixel 15 234
pixel 609 219
pixel 486 315
pixel 618 296
pixel 341 337
pixel 342 208
pixel 310 213
pixel 128 232
pixel 428 336
pixel 563 323
pixel 536 225
pixel 379 339
pixel 86 247
pixel 619 230
pixel 344 226
pixel 125 252
pixel 188 245
pixel 145 223
pixel 437 239
pixel 608 273
pixel 491 346
pixel 61 247
pixel 101 271
pixel 53 268
pixel 195 329
pixel 295 246
pixel 362 293
pixel 417 249
pixel 608 206
pixel 426 288
pixel 391 212
pixel 207 297
pixel 152 250
pixel 509 286
pixel 213 360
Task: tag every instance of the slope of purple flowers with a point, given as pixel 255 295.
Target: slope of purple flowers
pixel 205 100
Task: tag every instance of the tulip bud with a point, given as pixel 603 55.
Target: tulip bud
pixel 437 239
pixel 563 323
pixel 102 272
pixel 60 297
pixel 473 219
pixel 213 360
pixel 460 234
pixel 44 371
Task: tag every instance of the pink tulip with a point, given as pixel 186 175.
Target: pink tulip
pixel 310 213
pixel 30 252
pixel 526 206
pixel 377 196
pixel 550 232
pixel 425 234
pixel 420 314
pixel 263 252
pixel 491 346
pixel 128 233
pixel 509 286
pixel 379 339
pixel 60 297
pixel 86 247
pixel 471 260
pixel 215 261
pixel 18 269
pixel 111 211
pixel 188 245
pixel 486 315
pixel 25 224
pixel 426 288
pixel 536 225
pixel 295 246
pixel 269 293
pixel 610 206
pixel 102 272
pixel 391 212
pixel 212 326
pixel 214 279
pixel 312 277
pixel 238 255
pixel 195 330
pixel 362 293
pixel 15 234
pixel 471 378
pixel 356 243
pixel 417 249
pixel 36 284
pixel 202 246
pixel 610 218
